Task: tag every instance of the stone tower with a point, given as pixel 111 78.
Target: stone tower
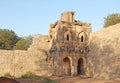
pixel 69 45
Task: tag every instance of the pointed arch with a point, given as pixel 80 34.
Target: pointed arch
pixel 67 36
pixel 80 67
pixel 67 66
pixel 82 36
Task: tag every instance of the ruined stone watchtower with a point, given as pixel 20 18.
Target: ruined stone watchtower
pixel 69 45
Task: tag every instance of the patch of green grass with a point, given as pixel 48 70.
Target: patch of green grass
pixel 29 75
pixel 7 75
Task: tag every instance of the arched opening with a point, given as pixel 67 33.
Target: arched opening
pixel 80 67
pixel 82 38
pixel 67 37
pixel 66 66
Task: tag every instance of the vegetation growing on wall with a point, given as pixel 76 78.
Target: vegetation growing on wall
pixel 7 75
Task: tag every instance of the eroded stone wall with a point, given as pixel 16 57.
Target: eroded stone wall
pixel 104 53
pixel 15 62
pixel 34 60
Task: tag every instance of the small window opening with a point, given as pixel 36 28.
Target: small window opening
pixel 68 37
pixel 81 38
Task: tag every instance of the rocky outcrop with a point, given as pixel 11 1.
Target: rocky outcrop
pixel 104 53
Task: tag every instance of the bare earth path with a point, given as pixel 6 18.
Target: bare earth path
pixel 70 80
pixel 81 80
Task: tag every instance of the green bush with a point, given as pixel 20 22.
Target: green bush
pixel 23 43
pixel 7 75
pixel 27 75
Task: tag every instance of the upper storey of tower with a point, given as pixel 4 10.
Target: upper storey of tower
pixel 67 23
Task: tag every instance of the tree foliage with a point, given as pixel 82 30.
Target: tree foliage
pixel 8 39
pixel 112 19
pixel 24 43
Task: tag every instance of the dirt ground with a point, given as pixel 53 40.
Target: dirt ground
pixel 82 80
pixel 29 81
pixel 71 80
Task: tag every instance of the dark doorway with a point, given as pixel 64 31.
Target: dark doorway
pixel 80 67
pixel 66 66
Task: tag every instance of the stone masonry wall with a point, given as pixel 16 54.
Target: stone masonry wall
pixel 15 62
pixel 104 53
pixel 19 62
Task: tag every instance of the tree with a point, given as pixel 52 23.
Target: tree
pixel 111 20
pixel 20 45
pixel 8 39
pixel 28 41
pixel 24 43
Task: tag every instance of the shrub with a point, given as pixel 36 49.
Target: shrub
pixel 7 75
pixel 27 75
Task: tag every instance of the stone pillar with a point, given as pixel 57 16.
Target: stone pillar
pixel 75 70
pixel 58 64
pixel 53 66
pixel 72 70
pixel 75 64
pixel 59 73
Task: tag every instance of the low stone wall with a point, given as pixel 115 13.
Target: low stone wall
pixel 104 55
